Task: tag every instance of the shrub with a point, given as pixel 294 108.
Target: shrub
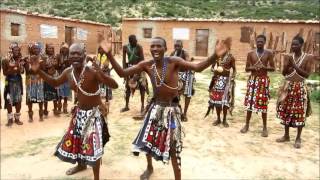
pixel 315 96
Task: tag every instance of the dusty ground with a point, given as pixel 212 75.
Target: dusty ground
pixel 209 152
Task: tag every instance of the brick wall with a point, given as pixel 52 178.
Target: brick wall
pixel 219 30
pixel 30 31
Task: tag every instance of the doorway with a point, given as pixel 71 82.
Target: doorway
pixel 69 35
pixel 202 37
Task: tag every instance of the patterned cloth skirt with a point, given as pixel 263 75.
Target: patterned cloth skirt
pixel 160 132
pixel 34 86
pixel 220 94
pixel 257 96
pixel 106 91
pixel 64 90
pixel 50 93
pixel 187 78
pixel 292 104
pixel 85 138
pixel 13 90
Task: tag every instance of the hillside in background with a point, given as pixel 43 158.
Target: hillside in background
pixel 111 11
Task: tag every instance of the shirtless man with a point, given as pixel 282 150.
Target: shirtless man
pixel 292 102
pixel 87 133
pixel 13 67
pixel 259 63
pixel 160 135
pixel 135 54
pixel 186 77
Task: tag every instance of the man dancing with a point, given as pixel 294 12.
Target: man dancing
pixel 185 77
pixel 259 63
pixel 160 135
pixel 87 133
pixel 292 105
pixel 135 55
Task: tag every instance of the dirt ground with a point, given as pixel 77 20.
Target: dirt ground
pixel 209 152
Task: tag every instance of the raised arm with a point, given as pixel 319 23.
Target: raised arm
pixel 103 78
pixel 221 48
pixel 106 45
pixel 35 67
pixel 125 72
pixel 197 67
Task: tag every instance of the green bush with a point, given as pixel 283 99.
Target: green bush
pixel 264 9
pixel 315 96
pixel 314 76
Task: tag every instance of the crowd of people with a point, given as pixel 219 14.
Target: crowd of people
pixel 51 77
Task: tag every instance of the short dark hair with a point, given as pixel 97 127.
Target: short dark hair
pixel 132 36
pixel 262 36
pixel 299 38
pixel 164 41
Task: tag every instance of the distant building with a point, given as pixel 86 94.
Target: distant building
pixel 200 35
pixel 25 27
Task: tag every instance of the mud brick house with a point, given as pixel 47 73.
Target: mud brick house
pixel 25 27
pixel 200 35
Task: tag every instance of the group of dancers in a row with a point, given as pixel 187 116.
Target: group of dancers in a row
pixel 160 136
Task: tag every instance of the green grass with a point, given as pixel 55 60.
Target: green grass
pixel 31 147
pixel 315 96
pixel 111 11
pixel 275 82
pixel 314 76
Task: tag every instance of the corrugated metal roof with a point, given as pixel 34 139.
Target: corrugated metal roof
pixel 224 20
pixel 29 13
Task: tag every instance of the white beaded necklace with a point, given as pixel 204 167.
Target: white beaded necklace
pixel 298 62
pixel 300 59
pixel 259 57
pixel 81 79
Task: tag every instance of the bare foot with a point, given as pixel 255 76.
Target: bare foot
pixel 217 122
pixel 146 174
pixel 124 109
pixel 283 139
pixel 225 124
pixel 264 133
pixel 244 129
pixel 76 169
pixel 297 144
